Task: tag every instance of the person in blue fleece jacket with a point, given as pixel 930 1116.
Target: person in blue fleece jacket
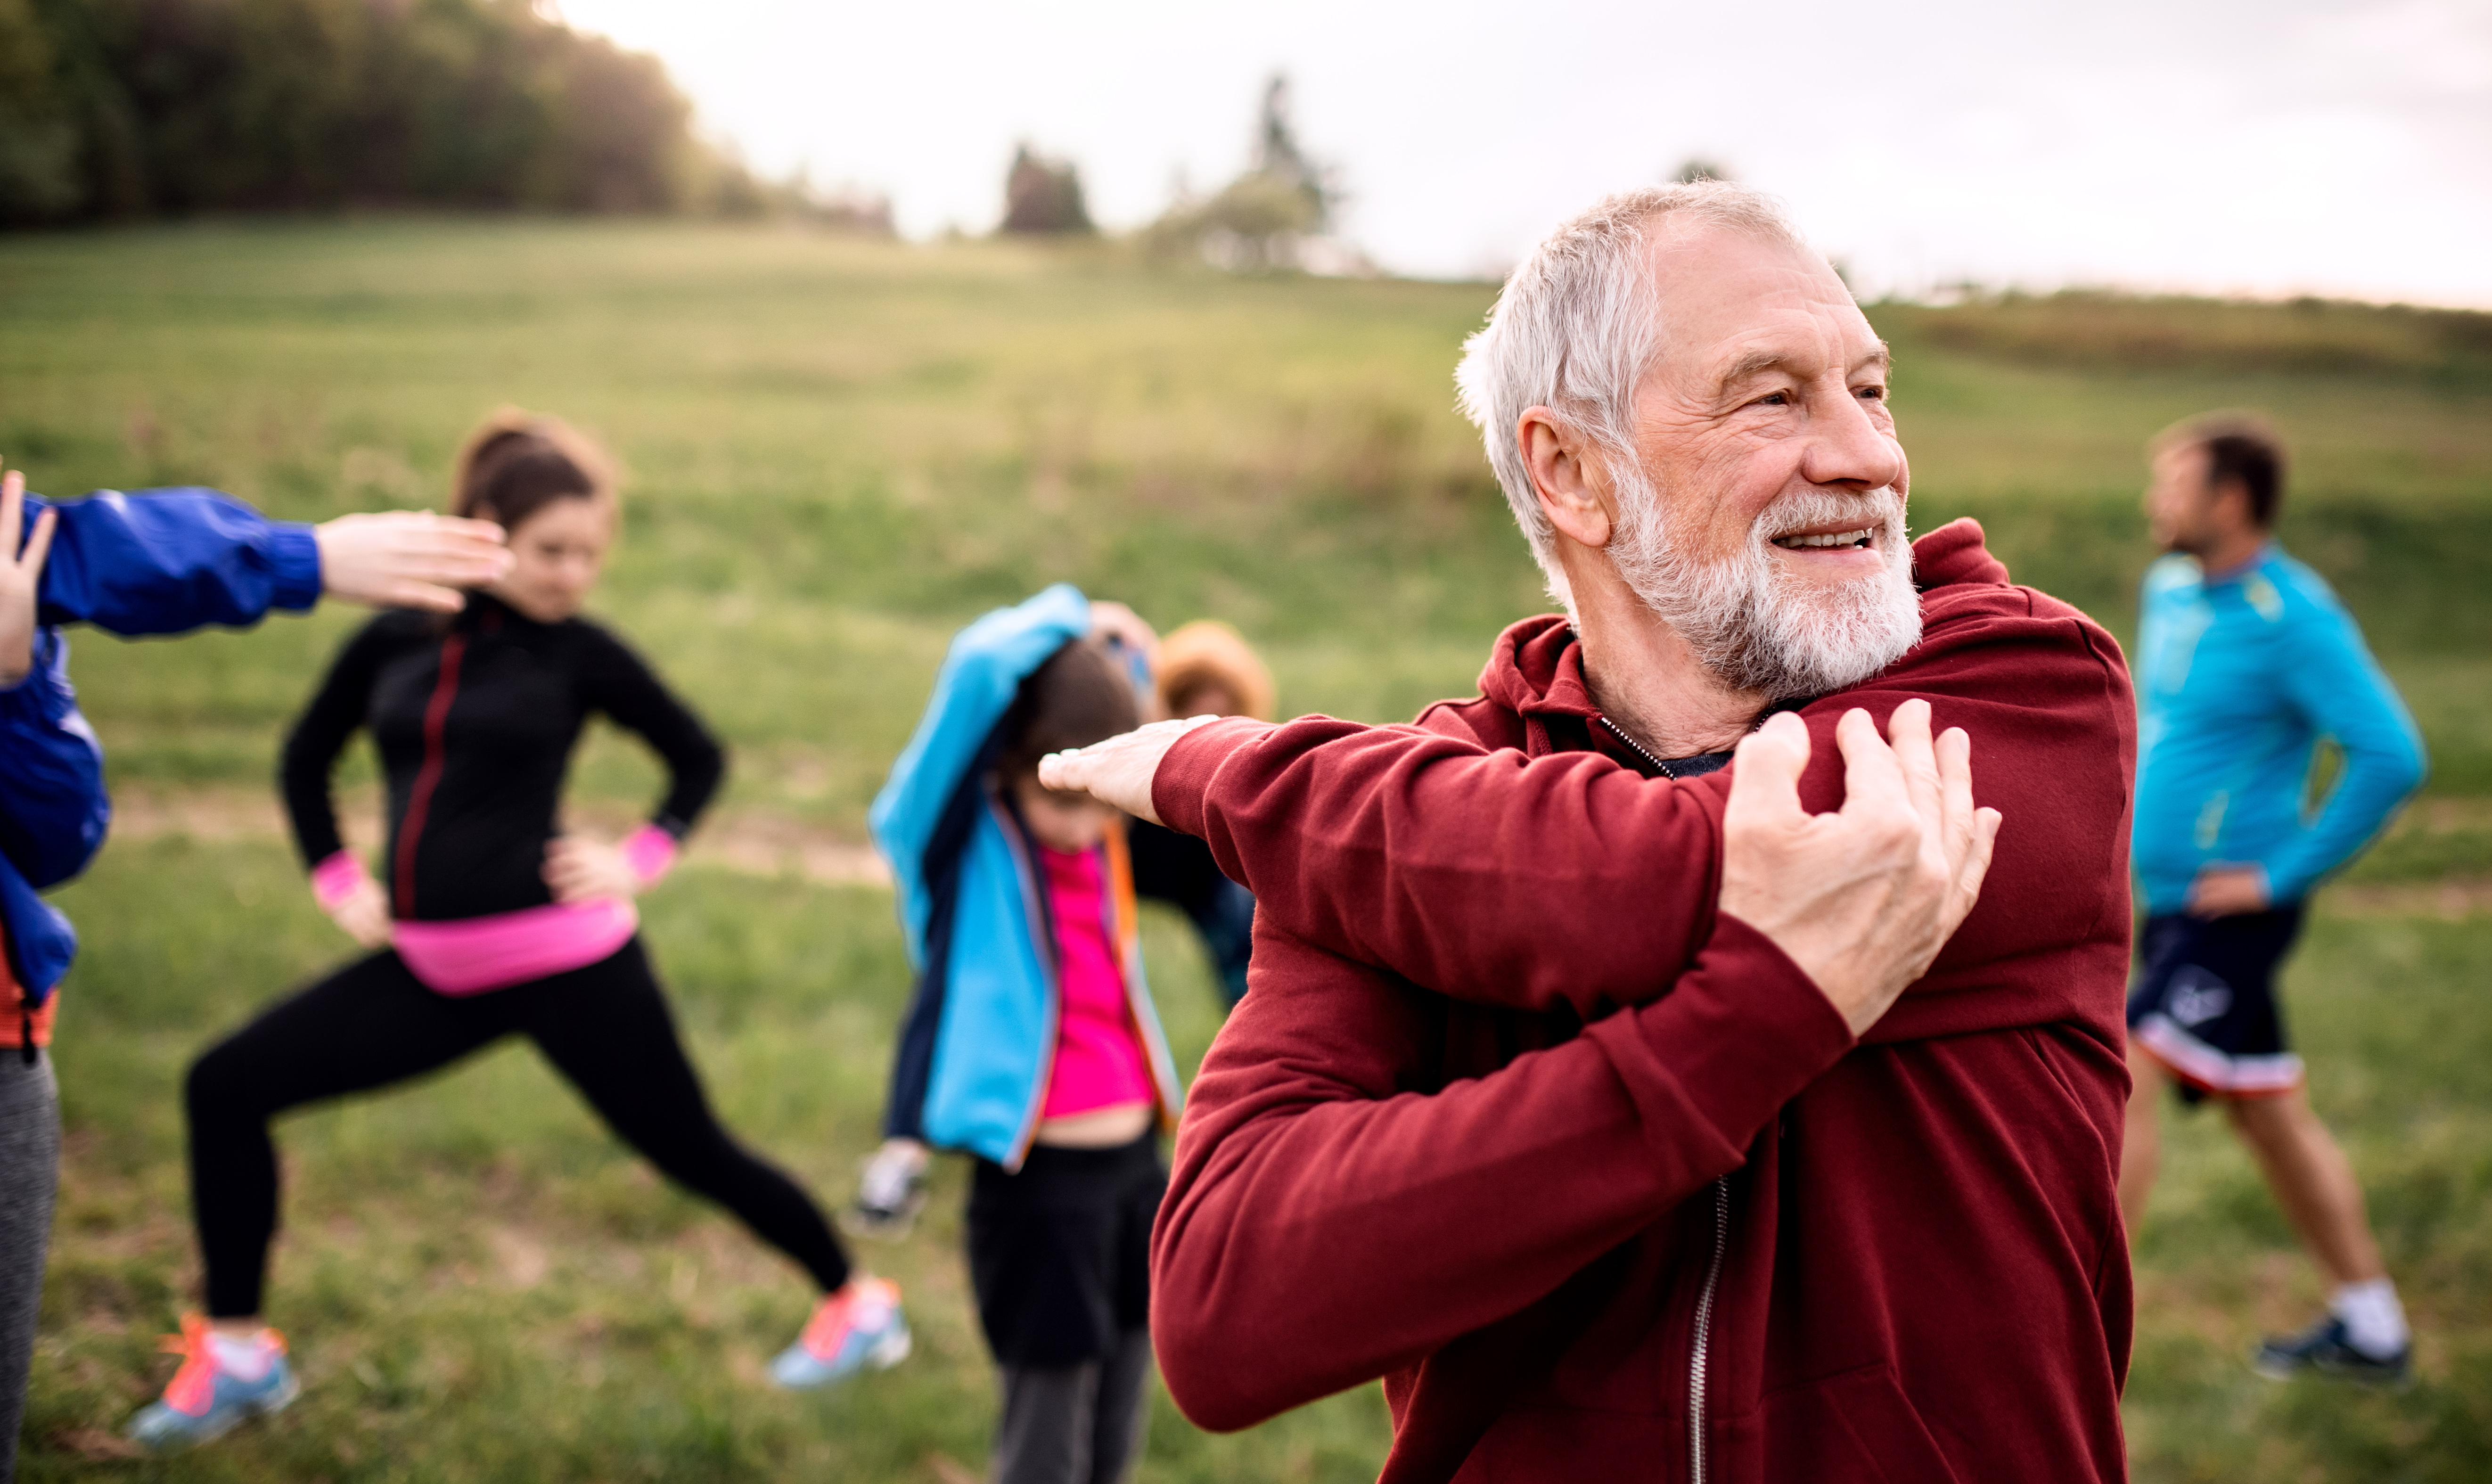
pixel 156 562
pixel 2245 660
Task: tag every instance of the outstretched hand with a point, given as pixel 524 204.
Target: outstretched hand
pixel 1862 899
pixel 21 578
pixel 1118 771
pixel 408 558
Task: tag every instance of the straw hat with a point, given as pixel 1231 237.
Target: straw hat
pixel 1208 653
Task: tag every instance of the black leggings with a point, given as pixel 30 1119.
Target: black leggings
pixel 605 1027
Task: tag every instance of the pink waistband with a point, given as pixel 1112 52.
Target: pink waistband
pixel 470 955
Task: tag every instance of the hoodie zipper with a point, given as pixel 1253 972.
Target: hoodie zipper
pixel 436 719
pixel 1699 1362
pixel 1639 748
pixel 1699 1359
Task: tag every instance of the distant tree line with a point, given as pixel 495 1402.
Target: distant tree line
pixel 130 109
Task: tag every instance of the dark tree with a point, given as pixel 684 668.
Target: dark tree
pixel 1043 196
pixel 133 107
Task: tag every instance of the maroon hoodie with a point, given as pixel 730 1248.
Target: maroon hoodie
pixel 1512 1119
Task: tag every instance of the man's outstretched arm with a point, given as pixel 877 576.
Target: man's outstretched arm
pixel 1529 882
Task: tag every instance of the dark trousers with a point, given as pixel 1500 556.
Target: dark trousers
pixel 604 1027
pixel 1059 1259
pixel 30 1161
pixel 1075 1424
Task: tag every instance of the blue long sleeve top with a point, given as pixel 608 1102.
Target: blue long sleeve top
pixel 156 562
pixel 2238 680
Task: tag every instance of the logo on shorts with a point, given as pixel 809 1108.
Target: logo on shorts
pixel 2197 997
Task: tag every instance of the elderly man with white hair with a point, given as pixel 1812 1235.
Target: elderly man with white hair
pixel 1638 1116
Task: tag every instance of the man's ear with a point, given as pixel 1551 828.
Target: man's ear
pixel 1568 476
pixel 2228 501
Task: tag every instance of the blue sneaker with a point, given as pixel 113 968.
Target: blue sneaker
pixel 856 1328
pixel 205 1400
pixel 2324 1348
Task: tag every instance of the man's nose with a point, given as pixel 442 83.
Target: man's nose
pixel 1846 446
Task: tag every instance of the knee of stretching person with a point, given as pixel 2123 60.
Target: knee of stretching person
pixel 217 1084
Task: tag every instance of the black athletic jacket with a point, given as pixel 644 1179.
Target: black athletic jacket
pixel 475 720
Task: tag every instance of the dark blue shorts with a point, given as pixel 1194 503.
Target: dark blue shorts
pixel 2204 1002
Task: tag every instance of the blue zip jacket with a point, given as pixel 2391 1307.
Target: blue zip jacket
pixel 157 562
pixel 978 1044
pixel 2237 681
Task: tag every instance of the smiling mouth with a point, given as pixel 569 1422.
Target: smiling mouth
pixel 1858 540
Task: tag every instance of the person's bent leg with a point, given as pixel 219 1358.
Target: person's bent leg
pixel 1049 1418
pixel 2140 1148
pixel 607 1031
pixel 365 1026
pixel 368 1024
pixel 30 1161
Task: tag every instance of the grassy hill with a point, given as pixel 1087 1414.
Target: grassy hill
pixel 839 451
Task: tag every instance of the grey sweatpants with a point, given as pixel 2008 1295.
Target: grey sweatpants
pixel 30 1170
pixel 1075 1424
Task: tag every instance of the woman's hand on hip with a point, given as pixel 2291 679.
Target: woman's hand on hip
pixel 579 869
pixel 364 913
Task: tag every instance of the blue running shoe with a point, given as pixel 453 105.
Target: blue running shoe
pixel 856 1328
pixel 2324 1348
pixel 205 1400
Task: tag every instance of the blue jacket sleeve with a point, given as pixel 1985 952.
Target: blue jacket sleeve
pixel 2340 691
pixel 982 671
pixel 53 810
pixel 162 561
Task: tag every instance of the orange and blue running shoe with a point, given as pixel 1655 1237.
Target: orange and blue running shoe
pixel 207 1399
pixel 857 1327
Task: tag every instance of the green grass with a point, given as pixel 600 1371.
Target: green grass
pixel 839 452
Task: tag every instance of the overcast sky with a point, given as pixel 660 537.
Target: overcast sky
pixel 2277 147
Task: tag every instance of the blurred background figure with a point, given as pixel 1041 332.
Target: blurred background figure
pixel 1031 1044
pixel 1206 669
pixel 489 921
pixel 2245 664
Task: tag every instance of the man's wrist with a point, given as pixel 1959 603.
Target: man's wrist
pixel 1185 771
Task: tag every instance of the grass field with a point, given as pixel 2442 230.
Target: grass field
pixel 839 452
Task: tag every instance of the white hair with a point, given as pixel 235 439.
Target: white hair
pixel 1575 329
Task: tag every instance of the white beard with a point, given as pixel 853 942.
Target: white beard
pixel 1745 625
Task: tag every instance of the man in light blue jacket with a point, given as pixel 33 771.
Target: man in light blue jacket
pixel 158 562
pixel 2246 662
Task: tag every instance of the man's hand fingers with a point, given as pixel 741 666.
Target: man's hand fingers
pixel 1873 781
pixel 1908 731
pixel 1064 772
pixel 1764 785
pixel 1954 751
pixel 1976 861
pixel 13 511
pixel 38 546
pixel 1119 772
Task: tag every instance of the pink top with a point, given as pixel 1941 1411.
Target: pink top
pixel 1098 1056
pixel 471 955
